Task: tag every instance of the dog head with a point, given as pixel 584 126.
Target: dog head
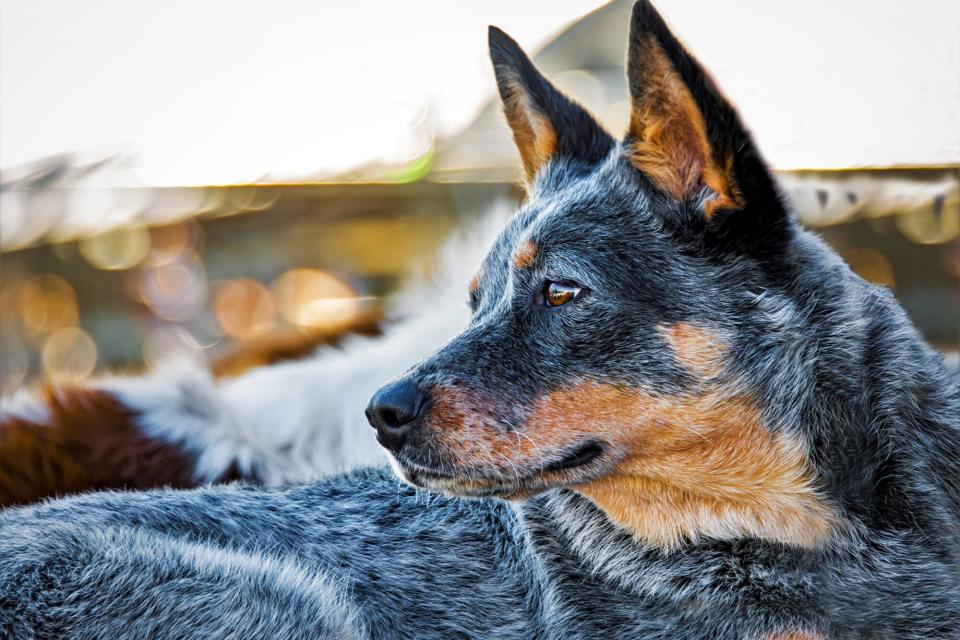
pixel 609 316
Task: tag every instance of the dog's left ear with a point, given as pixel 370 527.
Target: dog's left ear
pixel 546 124
pixel 684 136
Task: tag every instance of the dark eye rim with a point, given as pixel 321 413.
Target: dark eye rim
pixel 540 298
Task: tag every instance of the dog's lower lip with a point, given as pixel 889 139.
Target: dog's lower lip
pixel 587 452
pixel 420 470
pixel 424 477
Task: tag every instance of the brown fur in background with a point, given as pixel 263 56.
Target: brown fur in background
pixel 91 441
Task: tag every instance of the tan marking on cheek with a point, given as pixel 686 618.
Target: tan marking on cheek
pixel 460 424
pixel 456 419
pixel 450 408
pixel 693 466
pixel 670 144
pixel 699 350
pixel 525 255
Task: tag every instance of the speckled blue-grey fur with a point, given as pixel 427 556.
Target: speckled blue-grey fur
pixel 829 359
pixel 360 556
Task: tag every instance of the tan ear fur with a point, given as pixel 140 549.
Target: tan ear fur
pixel 668 139
pixel 532 132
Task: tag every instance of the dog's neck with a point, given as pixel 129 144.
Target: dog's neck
pixel 719 474
pixel 768 497
pixel 565 527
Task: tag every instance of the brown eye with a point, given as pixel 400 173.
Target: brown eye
pixel 557 294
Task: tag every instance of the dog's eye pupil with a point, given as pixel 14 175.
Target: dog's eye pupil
pixel 559 293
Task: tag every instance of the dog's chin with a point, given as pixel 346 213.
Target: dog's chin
pixel 525 479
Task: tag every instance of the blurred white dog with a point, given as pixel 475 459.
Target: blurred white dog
pixel 283 423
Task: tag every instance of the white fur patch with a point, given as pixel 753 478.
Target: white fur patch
pixel 24 404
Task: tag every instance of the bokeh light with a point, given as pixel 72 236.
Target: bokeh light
pixel 871 265
pixel 47 303
pixel 244 308
pixel 173 241
pixel 927 227
pixel 69 353
pixel 10 302
pixel 170 341
pixel 176 291
pixel 14 362
pixel 311 298
pixel 118 249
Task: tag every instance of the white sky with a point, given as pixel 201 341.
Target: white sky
pixel 210 91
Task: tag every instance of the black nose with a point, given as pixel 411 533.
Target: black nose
pixel 393 412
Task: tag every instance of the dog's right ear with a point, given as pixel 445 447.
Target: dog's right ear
pixel 684 135
pixel 545 123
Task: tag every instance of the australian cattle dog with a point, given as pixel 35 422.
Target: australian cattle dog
pixel 673 414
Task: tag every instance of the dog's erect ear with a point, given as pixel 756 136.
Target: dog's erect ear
pixel 545 123
pixel 684 135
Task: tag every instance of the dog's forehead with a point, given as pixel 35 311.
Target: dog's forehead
pixel 570 206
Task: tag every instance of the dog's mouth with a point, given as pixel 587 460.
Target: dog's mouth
pixel 576 465
pixel 584 454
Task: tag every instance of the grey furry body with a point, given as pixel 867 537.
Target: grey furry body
pixel 826 358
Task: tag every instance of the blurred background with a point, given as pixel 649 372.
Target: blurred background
pixel 201 176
